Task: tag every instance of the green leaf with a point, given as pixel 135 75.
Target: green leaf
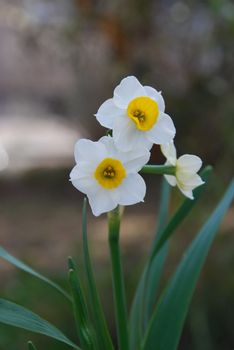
pixel 156 267
pixel 103 335
pixel 167 322
pixel 16 315
pixel 136 329
pixel 160 247
pixel 85 331
pixel 140 303
pixel 22 266
pixel 150 280
pixel 31 346
pixel 182 212
pixel 163 210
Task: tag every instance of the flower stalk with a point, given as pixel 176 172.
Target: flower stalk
pixel 158 169
pixel 114 218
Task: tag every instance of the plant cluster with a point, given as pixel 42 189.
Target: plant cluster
pixel 109 172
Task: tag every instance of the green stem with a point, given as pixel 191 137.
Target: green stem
pixel 101 326
pixel 158 169
pixel 118 281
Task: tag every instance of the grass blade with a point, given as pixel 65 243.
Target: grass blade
pixel 167 322
pixel 22 266
pixel 155 268
pixel 85 332
pixel 160 247
pixel 139 303
pixel 136 328
pixel 104 339
pixel 16 315
pixel 31 346
pixel 155 263
pixel 182 212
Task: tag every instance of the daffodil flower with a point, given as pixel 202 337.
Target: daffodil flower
pixel 108 176
pixel 136 116
pixel 3 158
pixel 186 168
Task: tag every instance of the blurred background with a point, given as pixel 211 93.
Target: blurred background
pixel 59 60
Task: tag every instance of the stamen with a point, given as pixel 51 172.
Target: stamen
pixel 140 115
pixel 143 111
pixel 110 173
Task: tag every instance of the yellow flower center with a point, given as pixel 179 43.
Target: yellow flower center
pixel 110 173
pixel 144 112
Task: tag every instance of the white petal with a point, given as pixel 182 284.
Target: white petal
pixel 108 112
pixel 157 96
pixel 101 202
pixel 82 179
pixel 171 179
pixel 3 158
pixel 86 150
pixel 169 151
pixel 108 141
pixel 85 185
pixel 187 193
pixel 132 190
pixel 163 131
pixel 133 161
pixel 187 182
pixel 81 169
pixel 127 137
pixel 189 163
pixel 124 134
pixel 128 89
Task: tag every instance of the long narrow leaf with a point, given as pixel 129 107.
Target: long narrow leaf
pixel 136 327
pixel 156 267
pixel 22 266
pixel 103 334
pixel 31 346
pixel 16 315
pixel 85 332
pixel 163 210
pixel 182 212
pixel 167 322
pixel 160 247
pixel 160 243
pixel 152 281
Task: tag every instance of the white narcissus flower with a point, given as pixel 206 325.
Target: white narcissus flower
pixel 136 116
pixel 187 166
pixel 108 176
pixel 3 158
